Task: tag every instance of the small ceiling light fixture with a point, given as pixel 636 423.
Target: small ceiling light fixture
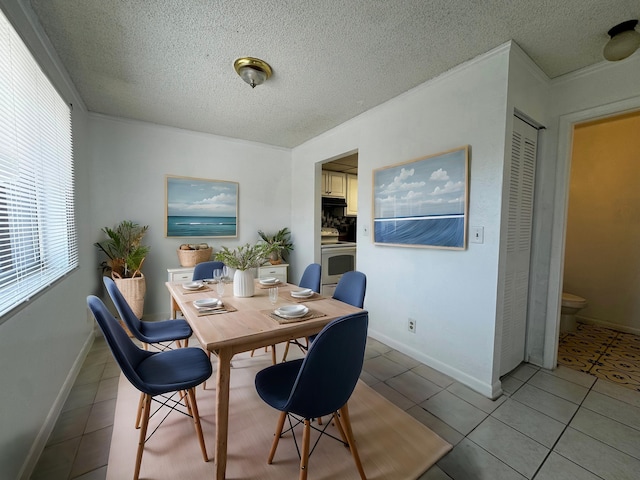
pixel 624 41
pixel 252 70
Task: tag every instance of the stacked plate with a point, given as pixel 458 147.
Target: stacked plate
pixel 304 293
pixel 269 281
pixel 193 285
pixel 291 311
pixel 206 303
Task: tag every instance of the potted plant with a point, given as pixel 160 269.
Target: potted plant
pixel 125 256
pixel 243 259
pixel 281 244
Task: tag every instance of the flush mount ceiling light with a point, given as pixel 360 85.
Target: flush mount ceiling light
pixel 624 41
pixel 252 70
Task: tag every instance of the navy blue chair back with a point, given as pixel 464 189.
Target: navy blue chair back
pixel 331 368
pixel 124 310
pixel 351 288
pixel 311 277
pixel 127 354
pixel 205 269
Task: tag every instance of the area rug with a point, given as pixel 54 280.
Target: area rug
pixel 391 443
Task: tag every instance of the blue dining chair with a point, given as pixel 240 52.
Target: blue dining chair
pixel 160 334
pixel 204 270
pixel 319 384
pixel 155 374
pixel 310 279
pixel 351 288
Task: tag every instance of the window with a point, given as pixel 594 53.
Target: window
pixel 38 242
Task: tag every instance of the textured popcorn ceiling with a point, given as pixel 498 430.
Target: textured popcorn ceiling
pixel 171 61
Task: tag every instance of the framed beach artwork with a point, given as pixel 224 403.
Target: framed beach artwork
pixel 423 202
pixel 197 207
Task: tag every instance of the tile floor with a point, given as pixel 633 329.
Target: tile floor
pixel 603 353
pixel 555 425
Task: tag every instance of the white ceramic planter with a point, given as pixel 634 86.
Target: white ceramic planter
pixel 243 283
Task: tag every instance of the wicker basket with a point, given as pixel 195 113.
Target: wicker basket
pixel 190 258
pixel 133 290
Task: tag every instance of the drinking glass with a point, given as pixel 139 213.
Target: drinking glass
pixel 220 289
pixel 217 275
pixel 273 295
pixel 225 274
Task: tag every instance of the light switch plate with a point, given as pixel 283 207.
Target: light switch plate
pixel 477 235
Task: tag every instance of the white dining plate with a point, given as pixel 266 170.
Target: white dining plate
pixel 304 293
pixel 269 281
pixel 206 302
pixel 291 311
pixel 193 285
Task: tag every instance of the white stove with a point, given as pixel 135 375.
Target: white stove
pixel 329 235
pixel 338 257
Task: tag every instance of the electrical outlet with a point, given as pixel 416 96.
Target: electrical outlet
pixel 412 325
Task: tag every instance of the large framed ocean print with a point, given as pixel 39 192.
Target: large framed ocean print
pixel 423 202
pixel 197 207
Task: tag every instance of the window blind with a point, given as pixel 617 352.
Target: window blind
pixel 38 242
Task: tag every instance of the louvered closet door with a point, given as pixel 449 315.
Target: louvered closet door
pixel 520 211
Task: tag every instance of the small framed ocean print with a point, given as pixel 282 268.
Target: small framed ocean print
pixel 197 207
pixel 423 202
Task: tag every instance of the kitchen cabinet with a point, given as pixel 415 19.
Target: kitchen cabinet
pixel 334 184
pixel 277 271
pixel 352 195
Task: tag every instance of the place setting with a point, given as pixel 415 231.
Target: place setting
pixel 212 306
pixel 301 295
pixel 289 313
pixel 194 287
pixel 268 282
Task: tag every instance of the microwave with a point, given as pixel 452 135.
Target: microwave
pixel 336 260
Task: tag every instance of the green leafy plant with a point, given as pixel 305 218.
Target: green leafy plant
pixel 280 243
pixel 245 256
pixel 124 249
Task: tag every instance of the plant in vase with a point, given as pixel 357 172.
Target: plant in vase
pixel 280 243
pixel 125 256
pixel 243 259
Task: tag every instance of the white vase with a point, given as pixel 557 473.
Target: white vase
pixel 243 285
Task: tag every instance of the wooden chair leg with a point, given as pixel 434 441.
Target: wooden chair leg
pixel 140 409
pixel 276 438
pixel 304 454
pixel 346 425
pixel 336 422
pixel 196 421
pixel 143 435
pixel 273 355
pixel 286 351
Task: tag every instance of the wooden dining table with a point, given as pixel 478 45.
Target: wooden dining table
pixel 249 326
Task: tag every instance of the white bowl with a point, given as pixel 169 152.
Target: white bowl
pixel 304 293
pixel 205 302
pixel 291 311
pixel 193 285
pixel 269 281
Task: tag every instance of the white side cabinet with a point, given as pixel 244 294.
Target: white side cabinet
pixel 182 274
pixel 276 271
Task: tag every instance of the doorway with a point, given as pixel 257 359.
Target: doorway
pixel 601 261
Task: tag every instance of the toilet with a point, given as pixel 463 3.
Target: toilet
pixel 571 304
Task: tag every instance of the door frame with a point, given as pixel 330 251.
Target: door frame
pixel 561 205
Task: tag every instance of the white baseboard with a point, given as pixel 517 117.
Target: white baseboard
pixel 612 326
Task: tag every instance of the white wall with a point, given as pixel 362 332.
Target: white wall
pixel 451 294
pixel 43 343
pixel 129 162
